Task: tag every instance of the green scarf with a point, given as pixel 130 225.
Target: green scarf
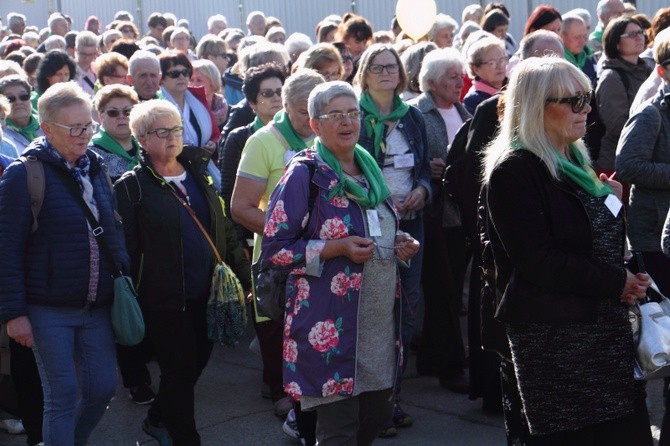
pixel 111 145
pixel 258 124
pixel 378 190
pixel 295 141
pixel 374 122
pixel 30 131
pixel 597 33
pixel 580 59
pixel 583 175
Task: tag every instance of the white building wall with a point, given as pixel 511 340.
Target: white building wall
pixel 296 15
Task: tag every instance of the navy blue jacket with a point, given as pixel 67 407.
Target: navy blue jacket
pixel 52 265
pixel 413 129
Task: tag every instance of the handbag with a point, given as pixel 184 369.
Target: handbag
pixel 226 306
pixel 126 315
pixel 650 320
pixel 269 290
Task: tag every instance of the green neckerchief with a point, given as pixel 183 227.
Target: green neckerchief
pixel 30 131
pixel 111 145
pixel 580 59
pixel 374 122
pixel 378 190
pixel 583 175
pixel 258 124
pixel 295 142
pixel 597 33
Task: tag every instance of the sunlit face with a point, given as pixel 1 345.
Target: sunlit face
pixel 355 46
pixel 444 38
pixel 266 107
pixel 146 79
pixel 338 136
pixel 330 71
pixel 383 81
pixel 500 31
pixel 575 37
pixel 562 125
pixel 447 89
pixel 554 26
pixel 62 75
pixel 493 67
pixel 631 42
pixel 180 84
pixel 299 117
pixel 70 147
pixel 117 127
pixel 180 42
pixel 120 76
pixel 220 60
pixel 20 109
pixel 162 150
pixel 85 56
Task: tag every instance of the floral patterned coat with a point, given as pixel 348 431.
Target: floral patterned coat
pixel 321 316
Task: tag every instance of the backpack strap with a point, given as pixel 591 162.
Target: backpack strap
pixel 35 180
pixel 133 188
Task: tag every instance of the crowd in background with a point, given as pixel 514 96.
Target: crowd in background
pixel 213 122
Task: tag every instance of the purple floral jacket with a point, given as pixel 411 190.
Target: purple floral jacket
pixel 320 321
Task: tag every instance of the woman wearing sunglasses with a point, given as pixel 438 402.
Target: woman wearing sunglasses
pixel 22 124
pixel 114 142
pixel 395 134
pixel 557 235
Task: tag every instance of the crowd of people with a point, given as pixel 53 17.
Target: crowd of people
pixel 375 171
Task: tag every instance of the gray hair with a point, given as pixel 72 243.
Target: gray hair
pixel 260 54
pixel 124 15
pixel 476 51
pixel 59 96
pixel 55 42
pixel 581 12
pixel 533 81
pixel 412 59
pixel 5 108
pixel 473 11
pixel 570 19
pixel 323 94
pixel 86 38
pixel 296 43
pixel 142 56
pixel 216 18
pixel 530 42
pixel 146 113
pixel 109 34
pixel 436 64
pixel 53 18
pixel 208 68
pixel 14 80
pixel 442 21
pixel 8 67
pixel 299 85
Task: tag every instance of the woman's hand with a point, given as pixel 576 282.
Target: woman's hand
pixel 414 201
pixel 635 287
pixel 406 246
pixel 358 249
pixel 21 331
pixel 614 184
pixel 437 166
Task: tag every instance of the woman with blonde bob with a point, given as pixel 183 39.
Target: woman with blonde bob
pixel 556 232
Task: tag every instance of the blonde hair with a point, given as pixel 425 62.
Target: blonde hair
pixel 533 82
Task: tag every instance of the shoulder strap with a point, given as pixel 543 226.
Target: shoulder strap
pixel 133 188
pixel 624 78
pixel 191 212
pixel 35 180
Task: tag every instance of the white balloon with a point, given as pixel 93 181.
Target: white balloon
pixel 416 17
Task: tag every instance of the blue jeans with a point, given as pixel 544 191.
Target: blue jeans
pixel 410 280
pixel 75 354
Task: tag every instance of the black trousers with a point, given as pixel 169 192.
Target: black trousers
pixel 28 387
pixel 179 341
pixel 132 361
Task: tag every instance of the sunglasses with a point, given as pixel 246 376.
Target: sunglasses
pixel 174 74
pixel 22 97
pixel 113 113
pixel 577 102
pixel 268 93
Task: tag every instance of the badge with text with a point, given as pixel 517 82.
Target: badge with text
pixel 373 223
pixel 403 161
pixel 613 204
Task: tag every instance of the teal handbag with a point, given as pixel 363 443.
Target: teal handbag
pixel 127 320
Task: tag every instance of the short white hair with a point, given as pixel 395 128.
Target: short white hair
pixel 216 18
pixel 296 43
pixel 436 63
pixel 55 42
pixel 442 21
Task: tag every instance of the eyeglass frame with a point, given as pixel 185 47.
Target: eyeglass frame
pixel 392 68
pixel 175 74
pixel 91 128
pixel 494 63
pixel 264 92
pixel 353 115
pixel 634 34
pixel 176 131
pixel 574 101
pixel 22 97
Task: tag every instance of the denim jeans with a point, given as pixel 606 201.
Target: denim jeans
pixel 75 355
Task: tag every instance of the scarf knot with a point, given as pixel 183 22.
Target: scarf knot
pixel 374 121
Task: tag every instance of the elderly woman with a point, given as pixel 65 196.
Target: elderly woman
pixel 215 49
pixel 623 72
pixel 259 83
pixel 207 76
pixel 262 164
pixel 159 203
pixel 111 68
pixel 7 148
pixel 442 32
pixel 22 124
pixel 341 324
pixel 395 134
pixel 56 285
pixel 442 353
pixel 325 59
pixel 487 66
pixel 114 142
pixel 556 232
pixel 412 58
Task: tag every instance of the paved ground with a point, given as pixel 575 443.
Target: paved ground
pixel 230 411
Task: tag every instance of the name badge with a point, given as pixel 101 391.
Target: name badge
pixel 373 223
pixel 288 155
pixel 403 161
pixel 613 204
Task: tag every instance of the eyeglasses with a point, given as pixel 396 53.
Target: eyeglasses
pixel 390 68
pixel 174 74
pixel 87 54
pixel 633 34
pixel 577 102
pixel 22 97
pixel 164 133
pixel 89 129
pixel 268 93
pixel 339 116
pixel 496 62
pixel 114 113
